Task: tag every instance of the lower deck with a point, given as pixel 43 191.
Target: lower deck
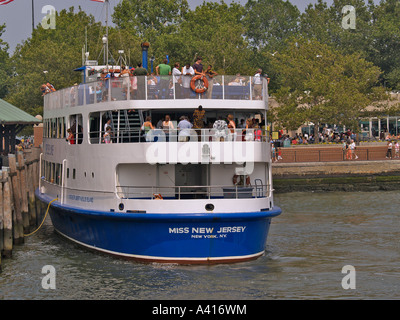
pixel 200 188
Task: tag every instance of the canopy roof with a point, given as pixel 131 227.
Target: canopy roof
pixel 10 114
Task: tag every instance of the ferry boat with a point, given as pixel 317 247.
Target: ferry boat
pixel 188 196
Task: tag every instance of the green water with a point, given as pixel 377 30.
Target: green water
pixel 308 245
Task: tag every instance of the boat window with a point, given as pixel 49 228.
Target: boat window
pixel 75 124
pixel 95 134
pixel 125 126
pixel 51 172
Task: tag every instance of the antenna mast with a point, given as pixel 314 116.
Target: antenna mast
pixel 106 3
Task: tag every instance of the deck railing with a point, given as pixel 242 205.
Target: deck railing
pixel 176 135
pixel 193 192
pixel 223 87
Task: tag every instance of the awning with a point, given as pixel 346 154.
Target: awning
pixel 81 68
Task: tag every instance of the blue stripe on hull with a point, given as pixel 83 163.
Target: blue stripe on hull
pixel 189 238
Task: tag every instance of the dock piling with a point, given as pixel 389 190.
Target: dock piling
pixel 18 207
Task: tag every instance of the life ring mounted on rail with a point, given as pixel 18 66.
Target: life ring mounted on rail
pixel 158 196
pixel 199 83
pixel 236 180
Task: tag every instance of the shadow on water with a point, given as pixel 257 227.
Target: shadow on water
pixel 316 235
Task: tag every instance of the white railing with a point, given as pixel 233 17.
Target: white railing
pixel 144 88
pixel 184 135
pixel 193 192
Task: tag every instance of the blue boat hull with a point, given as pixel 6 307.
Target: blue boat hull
pixel 174 238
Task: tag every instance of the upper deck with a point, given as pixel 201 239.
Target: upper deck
pixel 145 92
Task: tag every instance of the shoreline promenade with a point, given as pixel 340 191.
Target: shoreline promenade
pixel 325 168
pixel 333 152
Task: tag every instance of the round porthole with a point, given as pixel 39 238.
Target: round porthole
pixel 209 207
pixel 121 206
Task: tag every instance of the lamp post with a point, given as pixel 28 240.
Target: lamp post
pixel 105 40
pixel 33 17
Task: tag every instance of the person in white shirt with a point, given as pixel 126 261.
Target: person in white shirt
pixel 257 85
pixel 353 150
pixel 184 127
pixel 187 75
pixel 177 78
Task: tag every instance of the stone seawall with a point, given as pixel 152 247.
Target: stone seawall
pixel 337 176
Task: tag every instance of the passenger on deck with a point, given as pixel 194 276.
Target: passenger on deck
pixel 71 137
pixel 238 81
pixel 210 74
pixel 164 70
pixel 152 83
pixel 198 120
pixel 105 77
pixel 247 134
pixel 257 85
pixel 257 133
pixel 146 127
pixel 107 124
pixel 167 126
pixel 231 126
pixel 140 71
pixel 184 127
pixel 187 74
pixel 177 78
pixel 198 66
pixel 44 89
pixel 125 79
pixel 107 136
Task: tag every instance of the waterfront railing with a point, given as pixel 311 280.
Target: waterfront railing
pixel 332 154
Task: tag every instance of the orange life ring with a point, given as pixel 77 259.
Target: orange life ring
pixel 199 89
pixel 157 196
pixel 235 180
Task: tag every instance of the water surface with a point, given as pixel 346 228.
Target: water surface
pixel 308 245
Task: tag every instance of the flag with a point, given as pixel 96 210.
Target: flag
pixel 2 2
pixel 95 0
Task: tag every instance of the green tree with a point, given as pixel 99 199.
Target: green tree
pixel 321 85
pixel 268 23
pixel 5 70
pixel 51 56
pixel 215 32
pixel 325 24
pixel 384 49
pixel 150 19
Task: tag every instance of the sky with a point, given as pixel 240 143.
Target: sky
pixel 17 15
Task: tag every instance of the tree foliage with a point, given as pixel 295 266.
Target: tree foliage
pixel 319 71
pixel 4 65
pixel 321 85
pixel 150 19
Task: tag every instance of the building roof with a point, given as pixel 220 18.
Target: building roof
pixel 10 114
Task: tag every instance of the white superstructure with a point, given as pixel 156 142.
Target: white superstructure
pixel 129 174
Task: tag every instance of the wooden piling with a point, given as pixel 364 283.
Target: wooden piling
pixel 31 190
pixel 1 218
pixel 18 207
pixel 7 214
pixel 23 189
pixel 17 218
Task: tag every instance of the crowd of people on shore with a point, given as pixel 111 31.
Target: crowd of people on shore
pixel 327 135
